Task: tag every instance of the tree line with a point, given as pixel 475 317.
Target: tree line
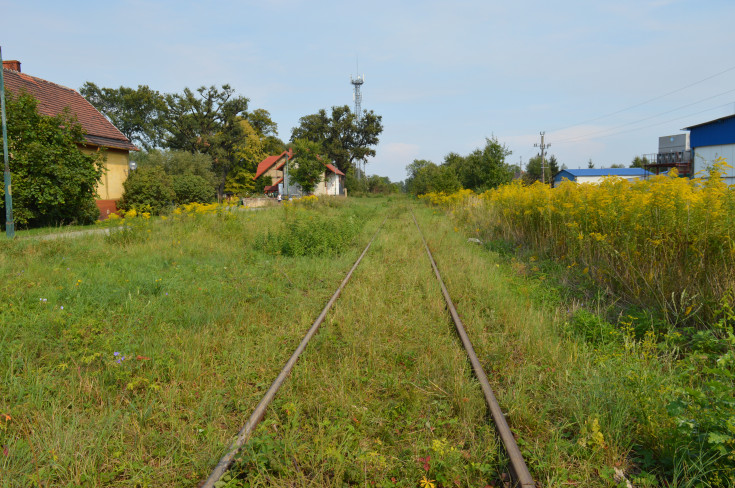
pixel 196 145
pixel 482 169
pixel 217 124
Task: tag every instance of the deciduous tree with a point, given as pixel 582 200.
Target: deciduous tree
pixel 483 168
pixel 310 164
pixel 208 122
pixel 139 113
pixel 639 162
pixel 53 181
pixel 345 139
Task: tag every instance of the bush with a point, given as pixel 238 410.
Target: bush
pixel 191 188
pixel 148 186
pixel 311 234
pixel 53 181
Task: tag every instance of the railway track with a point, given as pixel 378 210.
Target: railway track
pixel 519 473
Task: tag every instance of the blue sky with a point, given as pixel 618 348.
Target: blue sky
pixel 444 75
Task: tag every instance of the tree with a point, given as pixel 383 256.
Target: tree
pixel 590 164
pixel 381 184
pixel 138 113
pixel 534 170
pixel 190 188
pixel 426 177
pixel 483 168
pixel 179 163
pixel 617 166
pixel 345 139
pixel 310 161
pixel 208 122
pixel 148 187
pixel 639 162
pixel 53 181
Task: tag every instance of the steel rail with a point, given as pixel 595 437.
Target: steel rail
pixel 519 470
pixel 259 412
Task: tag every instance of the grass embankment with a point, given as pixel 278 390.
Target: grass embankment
pixel 203 311
pixel 639 280
pixel 130 360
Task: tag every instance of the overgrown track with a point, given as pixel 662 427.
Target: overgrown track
pixel 519 472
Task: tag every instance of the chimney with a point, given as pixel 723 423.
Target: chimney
pixel 12 64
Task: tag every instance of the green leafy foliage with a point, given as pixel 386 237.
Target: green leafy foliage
pixel 192 188
pixel 484 168
pixel 177 162
pixel 148 186
pixel 53 182
pixel 208 122
pixel 310 164
pixel 426 177
pixel 534 170
pixel 138 112
pixel 308 233
pixel 345 139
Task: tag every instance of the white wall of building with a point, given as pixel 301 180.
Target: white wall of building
pixel 598 179
pixel 705 156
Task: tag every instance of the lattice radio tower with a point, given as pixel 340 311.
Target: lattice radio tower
pixel 357 83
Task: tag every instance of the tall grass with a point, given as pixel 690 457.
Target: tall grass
pixel 665 245
pixel 663 242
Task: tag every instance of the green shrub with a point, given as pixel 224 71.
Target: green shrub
pixel 192 188
pixel 53 181
pixel 311 234
pixel 148 186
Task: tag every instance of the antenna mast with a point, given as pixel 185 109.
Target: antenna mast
pixel 357 83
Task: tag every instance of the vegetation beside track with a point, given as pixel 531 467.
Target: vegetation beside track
pixel 205 307
pixel 639 281
pixel 131 359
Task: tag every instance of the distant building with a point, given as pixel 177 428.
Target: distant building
pixel 331 183
pixel 99 135
pixel 595 175
pixel 712 140
pixel 673 152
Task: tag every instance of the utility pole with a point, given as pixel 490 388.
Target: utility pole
pixel 9 223
pixel 543 159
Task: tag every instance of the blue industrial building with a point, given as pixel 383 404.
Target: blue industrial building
pixel 712 140
pixel 595 175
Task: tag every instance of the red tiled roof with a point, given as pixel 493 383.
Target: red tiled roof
pixel 266 164
pixel 53 99
pixel 334 170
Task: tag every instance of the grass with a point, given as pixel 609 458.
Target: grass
pixel 600 385
pixel 206 309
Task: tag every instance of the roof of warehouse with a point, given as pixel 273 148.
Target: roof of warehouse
pixel 606 172
pixel 710 122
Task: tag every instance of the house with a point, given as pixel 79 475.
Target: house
pixel 100 134
pixel 276 167
pixel 273 167
pixel 595 175
pixel 712 140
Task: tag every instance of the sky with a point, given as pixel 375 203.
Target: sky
pixel 602 79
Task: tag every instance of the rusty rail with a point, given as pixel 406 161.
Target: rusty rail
pixel 519 471
pixel 259 412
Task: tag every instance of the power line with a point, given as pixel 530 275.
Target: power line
pixel 645 126
pixel 647 101
pixel 583 137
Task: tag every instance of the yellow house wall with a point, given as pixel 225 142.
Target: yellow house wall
pixel 116 172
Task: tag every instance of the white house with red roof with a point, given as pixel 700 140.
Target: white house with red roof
pixel 331 183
